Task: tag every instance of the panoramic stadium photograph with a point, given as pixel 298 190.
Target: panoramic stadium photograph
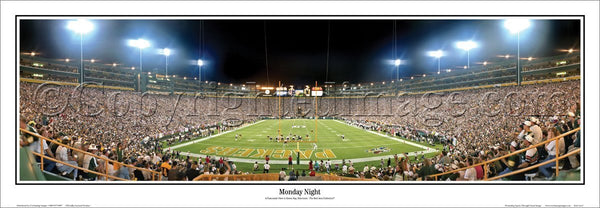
pixel 386 99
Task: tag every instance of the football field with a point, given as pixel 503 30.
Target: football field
pixel 324 142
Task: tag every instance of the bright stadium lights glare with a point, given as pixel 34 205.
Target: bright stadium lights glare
pixel 438 73
pixel 401 80
pixel 200 62
pixel 485 63
pixel 67 60
pixel 92 60
pixel 424 75
pixel 570 50
pixel 166 52
pixel 114 64
pixel 80 26
pixel 507 56
pixel 397 62
pixel 132 68
pixel 449 70
pixel 412 77
pixel 139 43
pixel 437 54
pixel 464 67
pixel 517 25
pixel 530 58
pixel 466 45
pixel 32 53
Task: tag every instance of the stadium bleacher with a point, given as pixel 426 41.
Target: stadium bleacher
pixel 120 135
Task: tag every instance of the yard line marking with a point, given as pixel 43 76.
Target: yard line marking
pixel 209 137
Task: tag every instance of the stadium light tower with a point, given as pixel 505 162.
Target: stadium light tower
pixel 141 44
pixel 80 26
pixel 437 54
pixel 467 46
pixel 516 26
pixel 166 52
pixel 397 64
pixel 200 63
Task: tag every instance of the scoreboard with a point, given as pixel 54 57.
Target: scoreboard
pixel 316 92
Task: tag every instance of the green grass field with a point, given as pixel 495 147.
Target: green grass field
pixel 253 144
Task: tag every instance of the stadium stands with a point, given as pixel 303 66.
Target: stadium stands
pixel 476 115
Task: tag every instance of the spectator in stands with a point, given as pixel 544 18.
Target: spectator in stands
pixel 551 149
pixel 35 147
pixel 470 173
pixel 427 169
pixel 90 163
pixel 192 171
pixel 511 162
pixel 62 154
pixel 530 157
pixel 165 167
pixel 123 171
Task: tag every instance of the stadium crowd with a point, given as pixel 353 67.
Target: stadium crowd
pixel 129 127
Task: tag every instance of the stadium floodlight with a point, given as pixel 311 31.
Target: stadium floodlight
pixel 397 62
pixel 141 44
pixel 516 26
pixel 485 63
pixel 32 53
pixel 92 60
pixel 166 52
pixel 114 64
pixel 80 26
pixel 437 54
pixel 467 46
pixel 67 60
pixel 570 50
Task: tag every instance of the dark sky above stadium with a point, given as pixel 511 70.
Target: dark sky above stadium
pixel 359 50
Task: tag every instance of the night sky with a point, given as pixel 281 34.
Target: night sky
pixel 234 50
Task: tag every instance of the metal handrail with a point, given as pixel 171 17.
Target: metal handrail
pixel 76 167
pixel 106 160
pixel 484 163
pixel 536 165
